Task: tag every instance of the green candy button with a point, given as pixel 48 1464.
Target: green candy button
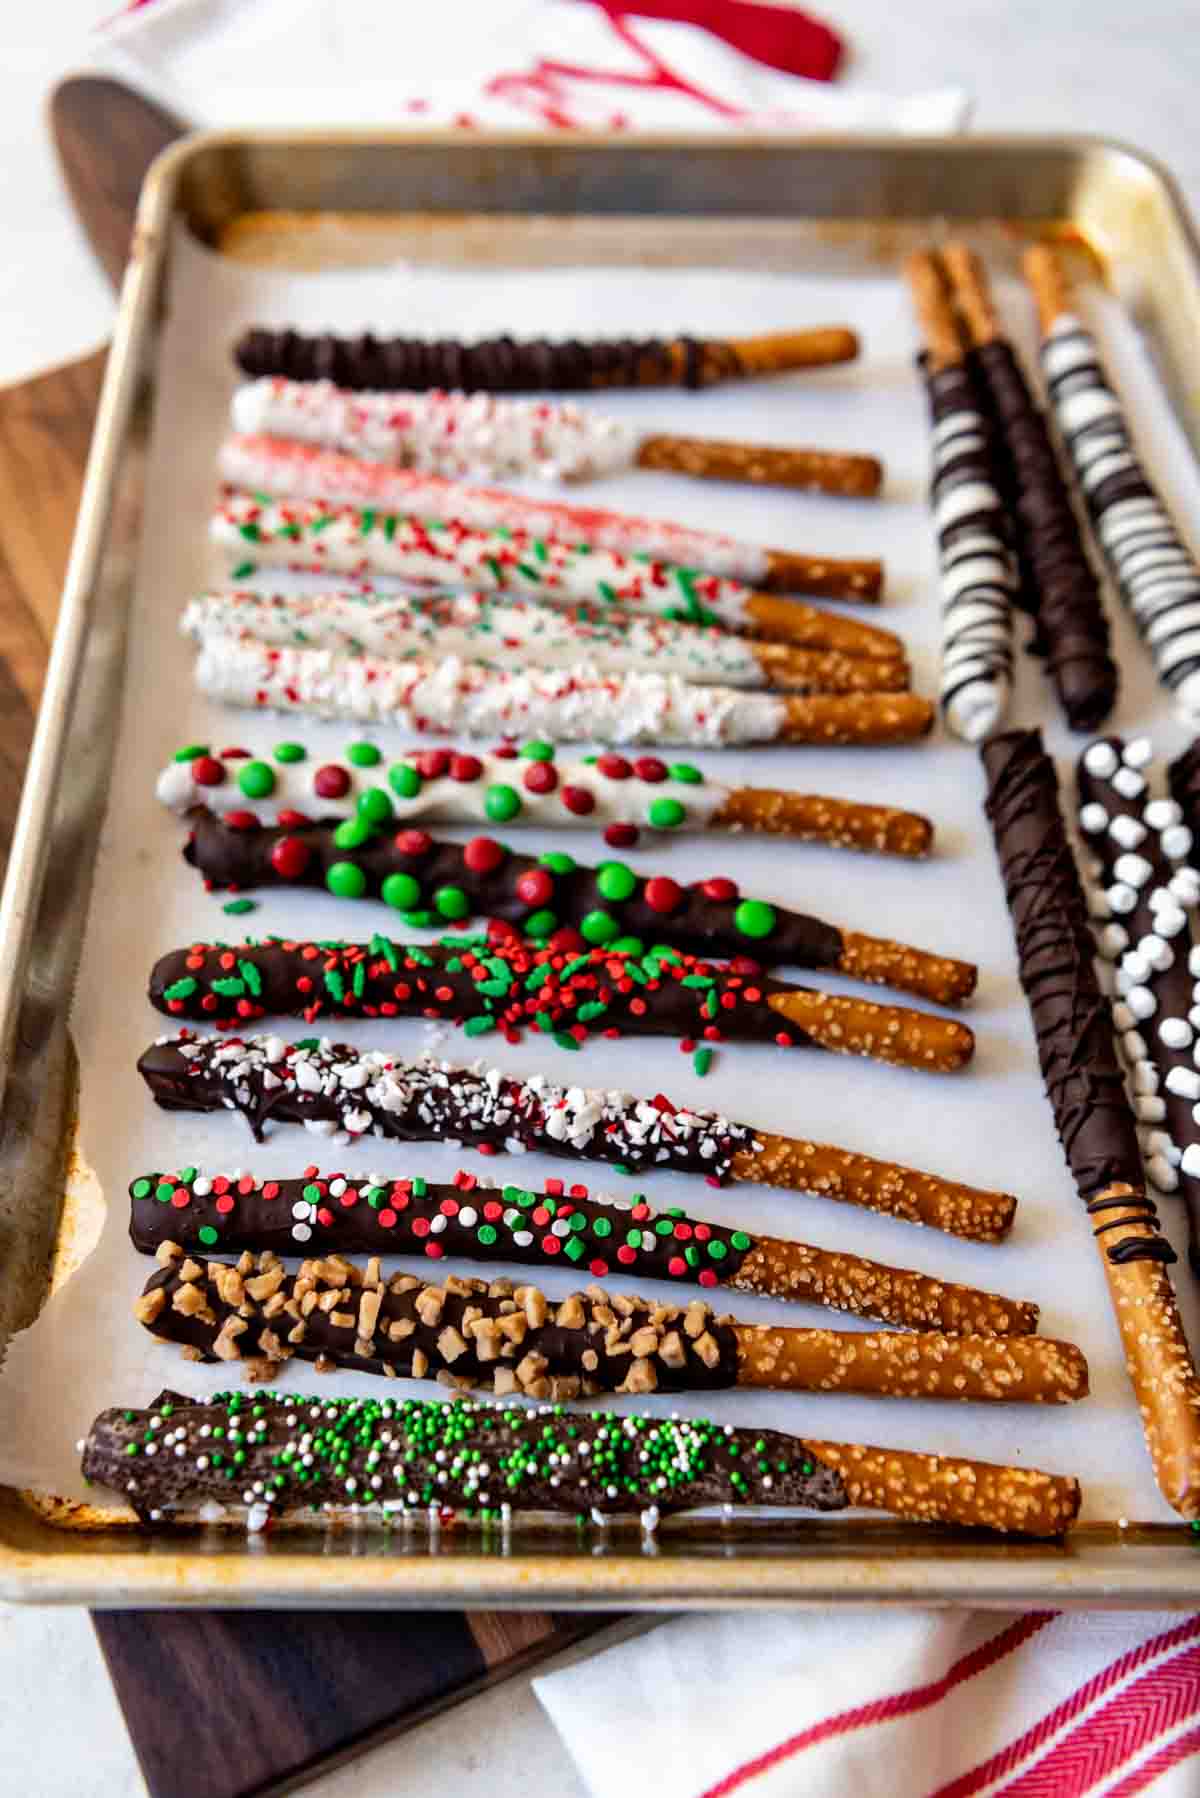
pixel 164 1193
pixel 375 806
pixel 400 891
pixel 256 779
pixel 615 881
pixel 140 1189
pixel 537 751
pixel 686 774
pixel 602 1227
pixel 486 1234
pixel 501 803
pixel 190 752
pixel 754 917
pixel 452 902
pixel 598 927
pixel 363 755
pixel 628 945
pixel 207 1236
pixel 404 780
pixel 557 862
pixel 290 752
pixel 666 814
pixel 740 1241
pixel 542 923
pixel 346 880
pixel 352 833
pixel 717 1249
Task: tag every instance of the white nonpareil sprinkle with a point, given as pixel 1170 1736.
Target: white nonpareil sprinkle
pixel 1093 818
pixel 1190 1165
pixel 1138 752
pixel 1183 1083
pixel 1120 897
pixel 1160 814
pixel 1128 784
pixel 1141 1002
pixel 1126 831
pixel 1132 870
pixel 1101 759
pixel 1176 841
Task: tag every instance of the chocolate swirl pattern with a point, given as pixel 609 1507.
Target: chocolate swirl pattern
pixel 978 573
pixel 1155 572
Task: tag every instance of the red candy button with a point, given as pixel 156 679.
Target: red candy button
pixel 294 820
pixel 482 854
pixel 241 820
pixel 433 763
pixel 615 767
pixel 535 886
pixel 290 857
pixel 414 842
pixel 465 767
pixel 505 752
pixel 719 889
pixel 621 836
pixel 540 777
pixel 331 782
pixel 648 767
pixel 207 771
pixel 578 800
pixel 662 893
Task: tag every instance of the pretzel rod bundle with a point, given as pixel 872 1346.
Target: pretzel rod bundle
pixel 417 1456
pixel 1058 586
pixel 465 1218
pixel 512 365
pixel 364 541
pixel 571 704
pixel 494 982
pixel 456 434
pixel 515 633
pixel 1145 893
pixel 303 471
pixel 339 1092
pixel 508 1340
pixel 430 882
pixel 1094 1119
pixel 1155 572
pixel 978 572
pixel 521 788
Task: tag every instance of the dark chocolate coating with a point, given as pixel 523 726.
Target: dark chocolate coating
pixel 257 980
pixel 562 1347
pixel 700 924
pixel 397 1441
pixel 494 365
pixel 1056 954
pixel 1183 780
pixel 1060 590
pixel 396 1219
pixel 462 1105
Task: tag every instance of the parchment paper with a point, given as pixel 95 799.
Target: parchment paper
pixel 990 1125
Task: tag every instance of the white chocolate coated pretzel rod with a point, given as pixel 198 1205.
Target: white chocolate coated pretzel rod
pixel 457 434
pixel 1155 572
pixel 513 633
pixel 285 469
pixel 570 705
pixel 365 542
pixel 525 788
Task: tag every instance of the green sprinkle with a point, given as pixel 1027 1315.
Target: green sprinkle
pixel 251 976
pixel 180 989
pixel 702 1061
pixel 627 945
pixel 335 986
pixel 366 520
pixel 256 779
pixel 595 1008
pixel 237 907
pixel 290 752
pixel 346 880
pixel 404 780
pixel 243 569
pixel 250 532
pixel 229 988
pixel 382 945
pixel 564 1041
pixel 363 755
pixel 400 891
pixel 478 1026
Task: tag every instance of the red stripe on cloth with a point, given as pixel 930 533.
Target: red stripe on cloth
pixel 1162 1762
pixel 1160 1699
pixel 885 1710
pixel 1005 1759
pixel 779 37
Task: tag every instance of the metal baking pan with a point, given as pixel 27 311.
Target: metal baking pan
pixel 823 203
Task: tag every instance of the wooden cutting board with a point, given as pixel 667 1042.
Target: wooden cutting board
pixel 219 1704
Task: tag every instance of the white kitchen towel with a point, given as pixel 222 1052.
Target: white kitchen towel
pixel 875 1703
pixel 540 64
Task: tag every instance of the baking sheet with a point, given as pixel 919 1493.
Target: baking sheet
pixel 990 1126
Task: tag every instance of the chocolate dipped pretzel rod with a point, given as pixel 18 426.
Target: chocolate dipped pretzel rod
pixel 978 571
pixel 386 1216
pixel 495 982
pixel 515 365
pixel 1183 783
pixel 1093 1117
pixel 1155 573
pixel 456 434
pixel 430 882
pixel 573 704
pixel 411 1457
pixel 304 471
pixel 519 789
pixel 516 1340
pixel 1058 586
pixel 364 541
pixel 342 1093
pixel 516 633
pixel 1145 892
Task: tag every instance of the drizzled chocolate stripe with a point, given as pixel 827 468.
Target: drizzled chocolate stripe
pixel 320 1215
pixel 485 983
pixel 978 572
pixel 1155 572
pixel 432 882
pixel 1058 587
pixel 1146 894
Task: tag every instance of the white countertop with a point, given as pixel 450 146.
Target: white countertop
pixel 1033 65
